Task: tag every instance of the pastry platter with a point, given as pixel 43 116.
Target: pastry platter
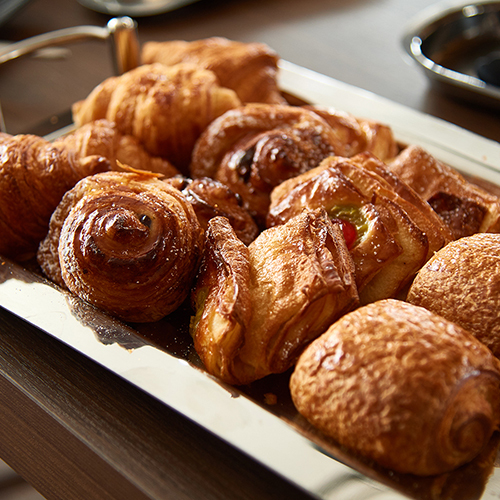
pixel 259 419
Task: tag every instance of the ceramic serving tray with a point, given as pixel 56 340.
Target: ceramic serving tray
pixel 259 419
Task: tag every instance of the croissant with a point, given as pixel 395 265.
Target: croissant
pixel 400 386
pixel 125 242
pixel 390 231
pixel 255 147
pixel 164 107
pixel 101 138
pixel 462 283
pixel 465 207
pixel 360 135
pixel 211 198
pixel 34 175
pixel 250 69
pixel 257 307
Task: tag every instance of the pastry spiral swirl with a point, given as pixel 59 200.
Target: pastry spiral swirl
pixel 401 386
pixel 126 242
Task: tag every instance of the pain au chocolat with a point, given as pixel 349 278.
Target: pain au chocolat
pixel 125 242
pixel 257 306
pixel 400 386
pixel 462 283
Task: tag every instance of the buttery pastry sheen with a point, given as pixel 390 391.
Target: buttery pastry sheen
pixel 125 242
pixel 257 307
pixel 165 107
pixel 401 386
pixel 34 175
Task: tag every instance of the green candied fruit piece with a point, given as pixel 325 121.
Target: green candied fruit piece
pixel 353 215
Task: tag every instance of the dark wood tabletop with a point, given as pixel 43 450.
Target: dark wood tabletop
pixel 74 429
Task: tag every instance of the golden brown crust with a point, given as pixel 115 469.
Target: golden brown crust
pixel 396 233
pixel 250 69
pixel 255 147
pixel 401 386
pixel 360 135
pixel 34 175
pixel 462 283
pixel 126 242
pixel 465 208
pixel 258 306
pixel 211 198
pixel 164 107
pixel 101 138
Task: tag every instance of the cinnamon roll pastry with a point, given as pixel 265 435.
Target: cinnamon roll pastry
pixel 360 135
pixel 101 138
pixel 253 148
pixel 389 230
pixel 464 207
pixel 211 198
pixel 250 69
pixel 125 242
pixel 257 306
pixel 400 386
pixel 462 284
pixel 165 107
pixel 34 175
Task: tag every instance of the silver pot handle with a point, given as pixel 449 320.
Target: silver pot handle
pixel 121 32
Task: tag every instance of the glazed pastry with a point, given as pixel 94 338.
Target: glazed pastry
pixel 390 231
pixel 462 283
pixel 400 386
pixel 211 198
pixel 34 175
pixel 127 243
pixel 257 307
pixel 250 69
pixel 360 135
pixel 254 148
pixel 164 107
pixel 465 208
pixel 101 138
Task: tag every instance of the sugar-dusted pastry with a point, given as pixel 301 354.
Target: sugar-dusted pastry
pixel 211 198
pixel 462 283
pixel 360 134
pixel 102 138
pixel 165 107
pixel 400 386
pixel 255 147
pixel 34 175
pixel 257 307
pixel 127 243
pixel 250 69
pixel 465 207
pixel 391 232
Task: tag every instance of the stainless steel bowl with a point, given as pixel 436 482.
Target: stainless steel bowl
pixel 457 44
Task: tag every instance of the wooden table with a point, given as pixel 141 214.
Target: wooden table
pixel 70 427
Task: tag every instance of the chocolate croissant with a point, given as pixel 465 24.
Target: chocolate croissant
pixel 211 198
pixel 390 231
pixel 250 69
pixel 462 283
pixel 257 307
pixel 255 147
pixel 400 386
pixel 102 138
pixel 34 175
pixel 465 207
pixel 164 107
pixel 125 242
